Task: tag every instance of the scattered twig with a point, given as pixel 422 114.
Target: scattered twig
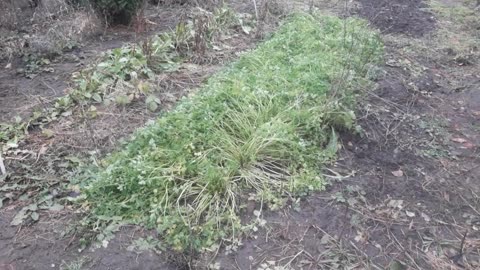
pixel 457 257
pixel 50 87
pixel 256 9
pixel 2 165
pixel 293 259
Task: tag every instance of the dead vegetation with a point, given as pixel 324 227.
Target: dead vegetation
pixel 46 30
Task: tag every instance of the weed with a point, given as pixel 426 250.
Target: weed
pixel 35 65
pixel 145 244
pixel 459 14
pixel 263 126
pixel 458 26
pixel 121 75
pixel 74 265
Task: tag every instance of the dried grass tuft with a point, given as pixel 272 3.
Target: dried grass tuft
pixel 67 31
pixel 48 29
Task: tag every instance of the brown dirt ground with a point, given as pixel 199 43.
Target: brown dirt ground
pixel 43 163
pixel 404 195
pixel 412 202
pixel 21 95
pixel 399 16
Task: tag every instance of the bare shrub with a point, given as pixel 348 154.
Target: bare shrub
pixel 50 9
pixel 46 30
pixel 206 4
pixel 68 30
pixel 11 45
pixel 8 15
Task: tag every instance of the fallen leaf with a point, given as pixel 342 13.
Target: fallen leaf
pixel 67 113
pixel 396 204
pixel 361 237
pixel 325 239
pixel 446 196
pixel 396 265
pixel 56 207
pixel 42 150
pixel 32 207
pixel 459 140
pixel 19 218
pixel 398 173
pixel 410 214
pixel 34 216
pixel 48 132
pixel 425 217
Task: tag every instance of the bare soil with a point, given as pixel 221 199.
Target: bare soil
pixel 400 16
pixel 45 164
pixel 407 197
pixel 23 92
pixel 403 195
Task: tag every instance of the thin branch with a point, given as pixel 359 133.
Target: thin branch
pixel 256 10
pixel 2 165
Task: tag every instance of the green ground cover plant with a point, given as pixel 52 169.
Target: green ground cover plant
pixel 260 130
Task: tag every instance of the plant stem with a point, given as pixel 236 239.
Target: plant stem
pixel 2 166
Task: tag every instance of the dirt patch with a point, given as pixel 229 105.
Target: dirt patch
pixel 403 195
pixel 27 85
pixel 46 164
pixel 44 247
pixel 408 17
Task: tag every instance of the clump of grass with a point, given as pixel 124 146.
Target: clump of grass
pixel 263 126
pixel 458 27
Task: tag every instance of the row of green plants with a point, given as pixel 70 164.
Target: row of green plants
pixel 123 75
pixel 260 130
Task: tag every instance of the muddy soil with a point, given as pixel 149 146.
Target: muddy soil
pixel 408 17
pixel 403 195
pixel 45 164
pixel 23 91
pixel 44 247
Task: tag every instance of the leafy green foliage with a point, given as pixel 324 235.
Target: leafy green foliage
pixel 115 78
pixel 262 129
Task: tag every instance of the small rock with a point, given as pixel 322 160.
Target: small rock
pixel 398 173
